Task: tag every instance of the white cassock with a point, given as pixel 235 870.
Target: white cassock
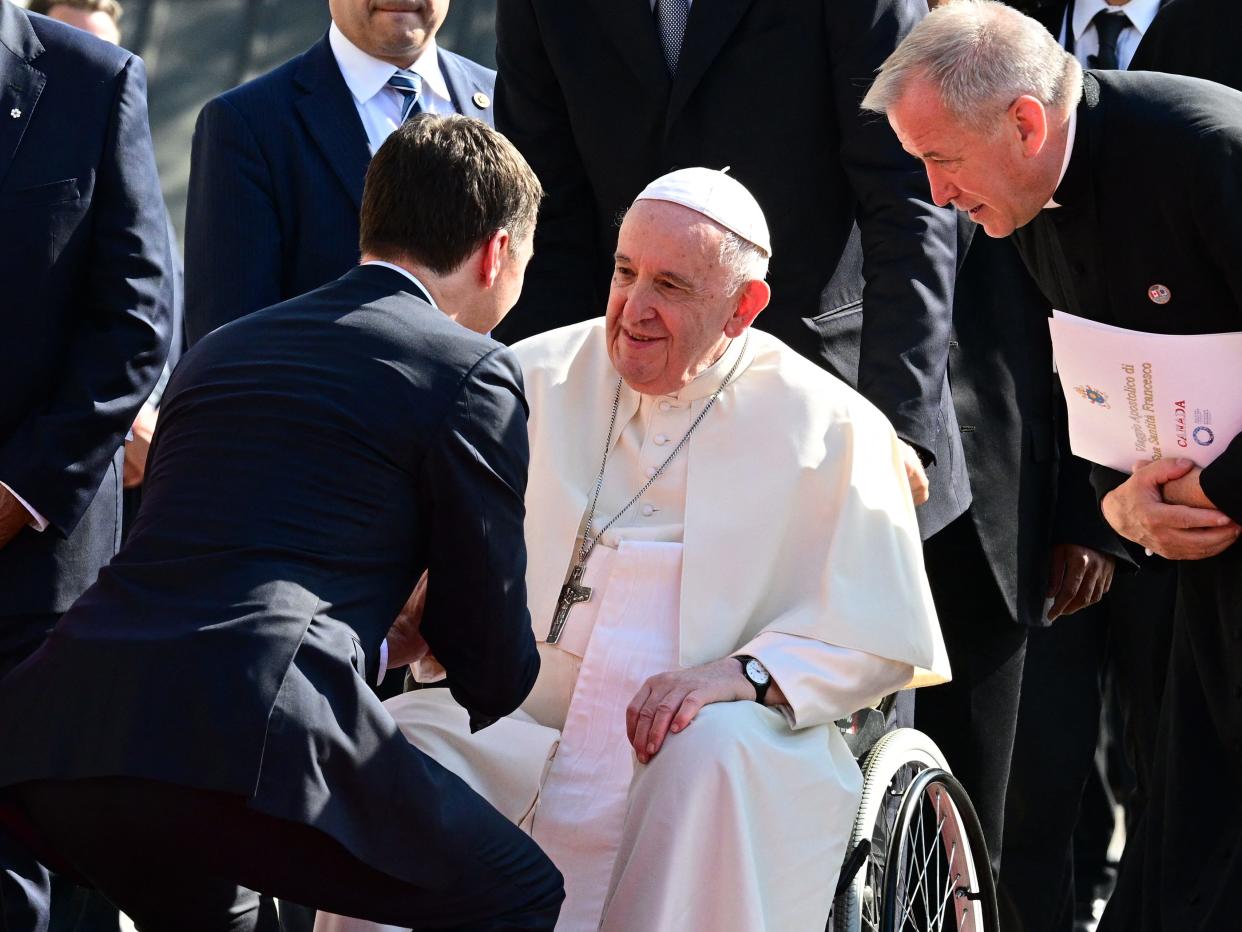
pixel 784 530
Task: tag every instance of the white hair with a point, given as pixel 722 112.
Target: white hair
pixel 981 56
pixel 743 260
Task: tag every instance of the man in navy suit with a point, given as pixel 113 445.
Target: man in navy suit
pixel 258 590
pixel 85 321
pixel 278 163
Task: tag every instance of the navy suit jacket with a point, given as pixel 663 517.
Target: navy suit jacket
pixel 85 311
pixel 276 179
pixel 862 263
pixel 311 461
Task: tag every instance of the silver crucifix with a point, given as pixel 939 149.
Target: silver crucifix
pixel 572 593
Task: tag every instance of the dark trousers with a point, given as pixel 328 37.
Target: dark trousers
pixel 972 718
pixel 175 859
pixel 1055 750
pixel 25 886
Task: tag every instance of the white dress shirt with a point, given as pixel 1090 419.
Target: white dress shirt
pixel 378 105
pixel 1139 14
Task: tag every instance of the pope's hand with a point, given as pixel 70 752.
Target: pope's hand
pixel 405 642
pixel 1138 511
pixel 668 702
pixel 1077 577
pixel 916 475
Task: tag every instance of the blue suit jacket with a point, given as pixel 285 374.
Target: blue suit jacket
pixel 276 184
pixel 85 313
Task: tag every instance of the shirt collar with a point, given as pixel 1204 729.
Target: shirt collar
pixel 408 274
pixel 366 76
pixel 1140 13
pixel 1069 150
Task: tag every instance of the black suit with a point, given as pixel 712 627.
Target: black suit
pixel 772 90
pixel 1197 38
pixel 311 461
pixel 276 184
pixel 85 320
pixel 1097 256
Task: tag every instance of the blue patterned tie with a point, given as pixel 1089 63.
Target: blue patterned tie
pixel 671 19
pixel 410 87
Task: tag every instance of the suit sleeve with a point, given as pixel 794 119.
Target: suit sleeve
pixel 474 485
pixel 561 283
pixel 909 244
pixel 1218 214
pixel 1078 519
pixel 57 457
pixel 232 235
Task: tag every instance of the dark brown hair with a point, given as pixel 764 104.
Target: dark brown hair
pixel 111 7
pixel 440 187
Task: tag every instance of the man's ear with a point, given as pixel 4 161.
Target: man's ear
pixel 752 299
pixel 493 255
pixel 1031 119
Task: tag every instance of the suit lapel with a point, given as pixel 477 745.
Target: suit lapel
pixel 469 97
pixel 20 82
pixel 630 25
pixel 711 24
pixel 331 118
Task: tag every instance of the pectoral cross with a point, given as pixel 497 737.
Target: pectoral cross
pixel 572 593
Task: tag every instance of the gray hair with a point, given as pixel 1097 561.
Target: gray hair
pixel 981 56
pixel 743 259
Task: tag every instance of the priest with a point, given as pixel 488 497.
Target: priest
pixel 723 559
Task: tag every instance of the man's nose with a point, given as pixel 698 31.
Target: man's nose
pixel 638 302
pixel 942 191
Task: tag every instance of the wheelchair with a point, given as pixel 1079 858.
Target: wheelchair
pixel 917 860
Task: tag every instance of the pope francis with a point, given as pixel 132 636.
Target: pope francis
pixel 723 560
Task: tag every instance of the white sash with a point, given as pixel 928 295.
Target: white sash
pixel 581 810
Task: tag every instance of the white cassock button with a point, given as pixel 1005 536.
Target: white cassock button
pixel 664 406
pixel 651 471
pixel 660 440
pixel 648 510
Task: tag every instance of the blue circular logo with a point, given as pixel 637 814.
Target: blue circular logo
pixel 1203 435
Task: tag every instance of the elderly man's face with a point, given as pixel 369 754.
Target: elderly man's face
pixel 669 312
pixel 394 31
pixel 996 176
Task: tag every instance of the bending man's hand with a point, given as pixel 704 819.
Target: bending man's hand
pixel 1138 511
pixel 920 488
pixel 405 642
pixel 13 517
pixel 1077 577
pixel 668 702
pixel 136 450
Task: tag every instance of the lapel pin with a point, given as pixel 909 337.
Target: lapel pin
pixel 1159 294
pixel 481 100
pixel 15 113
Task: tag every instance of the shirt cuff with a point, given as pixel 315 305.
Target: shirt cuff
pixel 37 521
pixel 383 661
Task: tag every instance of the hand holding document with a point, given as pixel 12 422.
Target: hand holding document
pixel 1136 396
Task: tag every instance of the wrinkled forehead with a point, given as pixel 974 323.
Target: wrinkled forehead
pixel 662 227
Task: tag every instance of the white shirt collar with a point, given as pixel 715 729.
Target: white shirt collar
pixel 408 274
pixel 1069 150
pixel 366 76
pixel 1139 12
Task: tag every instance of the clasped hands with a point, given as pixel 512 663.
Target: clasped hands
pixel 1163 508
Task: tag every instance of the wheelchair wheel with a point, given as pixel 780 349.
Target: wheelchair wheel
pixel 888 770
pixel 937 878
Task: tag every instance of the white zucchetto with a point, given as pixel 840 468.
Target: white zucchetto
pixel 716 196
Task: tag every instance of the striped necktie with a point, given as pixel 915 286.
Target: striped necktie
pixel 410 87
pixel 671 19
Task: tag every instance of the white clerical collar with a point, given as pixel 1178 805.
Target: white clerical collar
pixel 1140 13
pixel 1069 150
pixel 366 76
pixel 408 274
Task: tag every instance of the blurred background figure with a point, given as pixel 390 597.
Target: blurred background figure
pixel 101 18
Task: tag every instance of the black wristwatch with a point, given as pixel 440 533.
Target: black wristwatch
pixel 758 675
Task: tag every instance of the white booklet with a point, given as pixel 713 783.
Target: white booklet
pixel 1142 396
